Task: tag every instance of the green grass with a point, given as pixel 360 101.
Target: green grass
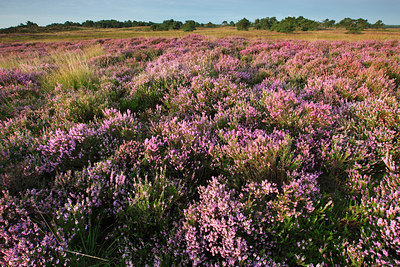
pixel 74 69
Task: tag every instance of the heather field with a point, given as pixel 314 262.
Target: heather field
pixel 200 151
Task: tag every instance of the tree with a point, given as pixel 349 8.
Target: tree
pixel 189 26
pixel 176 25
pixel 166 25
pixel 225 23
pixel 210 25
pixel 265 23
pixel 306 24
pixel 88 23
pixel 287 25
pixel 378 25
pixel 232 23
pixel 243 25
pixel 344 23
pixel 363 23
pixel 354 26
pixel 31 24
pixel 327 23
pixel 269 22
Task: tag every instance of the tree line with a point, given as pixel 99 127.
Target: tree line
pixel 286 25
pixel 292 24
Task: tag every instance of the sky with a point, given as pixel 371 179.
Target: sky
pixel 44 12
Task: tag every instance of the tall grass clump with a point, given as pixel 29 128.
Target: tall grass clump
pixel 74 69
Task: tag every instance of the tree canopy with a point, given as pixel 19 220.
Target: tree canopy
pixel 189 26
pixel 243 24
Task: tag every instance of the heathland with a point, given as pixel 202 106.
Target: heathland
pixel 254 148
pixel 218 32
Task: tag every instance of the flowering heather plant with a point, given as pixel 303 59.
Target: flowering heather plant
pixel 25 238
pixel 216 228
pixel 204 96
pixel 19 91
pixel 379 239
pixel 248 156
pixel 18 157
pixel 193 151
pixel 183 147
pixel 83 143
pixel 149 213
pixel 334 90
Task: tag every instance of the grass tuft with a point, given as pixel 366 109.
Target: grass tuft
pixel 75 70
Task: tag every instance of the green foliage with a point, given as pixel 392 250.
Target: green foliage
pixel 243 25
pixel 317 237
pixel 151 199
pixel 189 26
pixel 327 23
pixel 378 25
pixel 210 25
pixel 140 101
pixel 167 25
pixel 85 105
pixel 265 23
pixel 31 27
pixel 306 24
pixel 22 28
pixel 88 23
pixel 354 26
pixel 151 202
pixel 90 246
pixel 73 69
pixel 247 165
pixel 287 25
pixel 291 24
pixel 259 24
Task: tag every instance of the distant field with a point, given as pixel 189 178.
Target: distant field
pixel 220 32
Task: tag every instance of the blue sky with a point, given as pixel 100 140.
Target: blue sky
pixel 43 12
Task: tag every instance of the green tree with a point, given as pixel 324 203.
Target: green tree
pixel 378 25
pixel 31 24
pixel 265 23
pixel 176 25
pixel 287 25
pixel 354 26
pixel 88 23
pixel 327 23
pixel 363 23
pixel 210 25
pixel 306 24
pixel 344 23
pixel 243 25
pixel 189 26
pixel 257 25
